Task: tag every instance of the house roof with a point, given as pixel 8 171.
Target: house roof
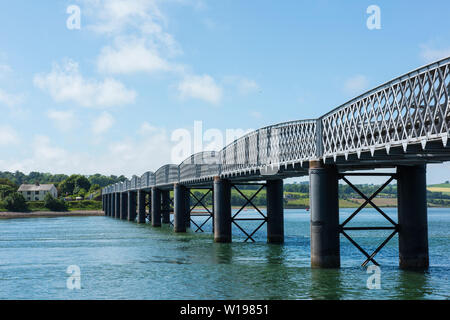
pixel 36 187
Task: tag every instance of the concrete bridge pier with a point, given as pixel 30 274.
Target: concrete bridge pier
pixel 222 210
pixel 275 217
pixel 156 207
pixel 141 206
pixel 324 206
pixel 165 206
pixel 131 206
pixel 180 193
pixel 412 217
pixel 117 205
pixel 123 205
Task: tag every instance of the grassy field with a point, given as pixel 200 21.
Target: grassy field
pixel 445 190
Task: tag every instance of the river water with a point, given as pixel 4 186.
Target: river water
pixel 123 260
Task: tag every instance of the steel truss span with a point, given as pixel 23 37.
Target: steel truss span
pixel 405 120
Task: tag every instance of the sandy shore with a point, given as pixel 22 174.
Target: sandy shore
pixel 48 214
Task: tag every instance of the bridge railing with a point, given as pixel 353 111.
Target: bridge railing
pixel 200 165
pixel 276 145
pixel 167 174
pixel 409 109
pixel 147 180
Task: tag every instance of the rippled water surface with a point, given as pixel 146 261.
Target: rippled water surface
pixel 123 260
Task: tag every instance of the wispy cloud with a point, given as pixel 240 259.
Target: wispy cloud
pixel 8 136
pixel 130 57
pixel 241 84
pixel 356 84
pixel 65 120
pixel 430 54
pixel 66 83
pixel 10 100
pixel 200 87
pixel 103 123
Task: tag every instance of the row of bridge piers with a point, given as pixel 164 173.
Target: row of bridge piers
pixel 326 228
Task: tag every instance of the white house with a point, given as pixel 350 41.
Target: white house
pixel 36 192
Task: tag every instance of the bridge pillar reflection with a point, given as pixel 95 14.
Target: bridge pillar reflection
pixel 324 206
pixel 180 193
pixel 275 219
pixel 412 217
pixel 123 205
pixel 165 206
pixel 117 205
pixel 222 210
pixel 155 204
pixel 131 206
pixel 141 206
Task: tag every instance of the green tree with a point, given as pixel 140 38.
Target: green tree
pixel 82 182
pixel 6 190
pixel 15 202
pixel 54 204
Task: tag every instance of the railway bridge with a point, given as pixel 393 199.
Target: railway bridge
pixel 402 125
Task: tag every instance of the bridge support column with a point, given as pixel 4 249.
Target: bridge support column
pixel 324 206
pixel 117 205
pixel 131 206
pixel 105 204
pixel 222 210
pixel 112 205
pixel 141 206
pixel 108 204
pixel 275 218
pixel 156 207
pixel 180 193
pixel 187 206
pixel 412 217
pixel 123 205
pixel 165 206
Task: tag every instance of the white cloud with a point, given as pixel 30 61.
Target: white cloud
pixel 430 54
pixel 147 128
pixel 103 123
pixel 63 120
pixel 200 87
pixel 145 153
pixel 130 57
pixel 67 84
pixel 356 84
pixel 8 136
pixel 118 17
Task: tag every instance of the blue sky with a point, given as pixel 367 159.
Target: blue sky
pixel 107 97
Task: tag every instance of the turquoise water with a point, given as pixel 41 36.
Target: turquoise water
pixel 123 260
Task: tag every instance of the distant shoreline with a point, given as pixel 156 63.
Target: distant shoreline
pixel 49 214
